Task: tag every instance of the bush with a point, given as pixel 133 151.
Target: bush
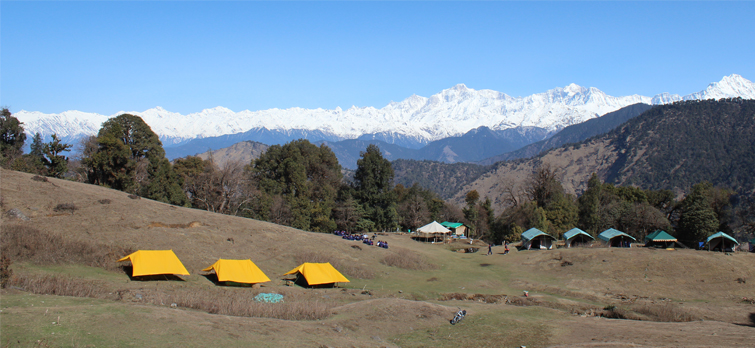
pixel 104 201
pixel 5 272
pixel 25 243
pixel 66 207
pixel 39 178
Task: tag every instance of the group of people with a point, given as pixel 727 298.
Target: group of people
pixel 505 248
pixel 363 237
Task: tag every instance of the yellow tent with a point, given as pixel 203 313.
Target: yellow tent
pixel 319 273
pixel 239 271
pixel 152 262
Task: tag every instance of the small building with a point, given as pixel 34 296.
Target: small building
pixel 536 239
pixel 457 228
pixel 432 231
pixel 616 238
pixel 660 239
pixel 576 237
pixel 721 242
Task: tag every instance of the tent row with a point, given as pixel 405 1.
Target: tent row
pixel 165 262
pixel 536 239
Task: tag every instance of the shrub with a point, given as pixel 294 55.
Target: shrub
pixel 666 312
pixel 104 201
pixel 5 272
pixel 66 207
pixel 25 243
pixel 39 178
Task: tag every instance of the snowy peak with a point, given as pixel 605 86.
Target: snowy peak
pixel 451 112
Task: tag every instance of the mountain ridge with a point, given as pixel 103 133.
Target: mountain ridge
pixel 418 120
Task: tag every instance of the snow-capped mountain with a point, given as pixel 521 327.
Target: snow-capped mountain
pixel 452 112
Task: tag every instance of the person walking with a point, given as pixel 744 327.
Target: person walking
pixel 490 249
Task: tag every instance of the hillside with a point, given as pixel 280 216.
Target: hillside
pixel 243 152
pixel 397 297
pixel 667 147
pixel 442 178
pixel 573 134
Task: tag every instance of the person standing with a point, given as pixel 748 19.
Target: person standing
pixel 490 249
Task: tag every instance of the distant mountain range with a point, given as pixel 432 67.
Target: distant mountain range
pixel 415 123
pixel 667 147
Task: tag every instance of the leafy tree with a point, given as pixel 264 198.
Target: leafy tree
pixel 37 147
pixel 306 178
pixel 373 184
pixel 57 164
pixel 698 219
pixel 12 136
pixel 130 157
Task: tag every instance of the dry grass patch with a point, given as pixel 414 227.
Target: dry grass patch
pixel 25 243
pixel 407 259
pixel 666 312
pixel 473 297
pixel 192 224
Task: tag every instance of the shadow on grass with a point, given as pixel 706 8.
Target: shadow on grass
pixel 214 279
pixel 129 270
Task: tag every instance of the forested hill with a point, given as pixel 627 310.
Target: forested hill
pixel 678 145
pixel 668 147
pixel 442 178
pixel 574 133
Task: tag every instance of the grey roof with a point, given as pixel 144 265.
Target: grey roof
pixel 611 233
pixel 574 232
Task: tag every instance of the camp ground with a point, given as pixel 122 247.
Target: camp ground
pixel 720 242
pixel 317 275
pixel 432 231
pixel 536 239
pixel 146 263
pixel 237 271
pixel 616 239
pixel 660 239
pixel 457 228
pixel 577 237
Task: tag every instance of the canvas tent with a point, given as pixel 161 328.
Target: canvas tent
pixel 660 239
pixel 155 262
pixel 575 237
pixel 536 239
pixel 456 228
pixel 433 230
pixel 616 238
pixel 721 242
pixel 238 271
pixel 318 274
pixel 752 245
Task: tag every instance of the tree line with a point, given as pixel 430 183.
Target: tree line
pixel 544 204
pixel 297 184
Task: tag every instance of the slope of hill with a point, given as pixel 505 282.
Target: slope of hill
pixel 668 147
pixel 243 153
pixel 574 133
pixel 386 304
pixel 414 121
pixel 442 178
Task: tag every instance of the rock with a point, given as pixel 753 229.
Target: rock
pixel 16 214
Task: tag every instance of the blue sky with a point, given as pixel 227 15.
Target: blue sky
pixel 105 57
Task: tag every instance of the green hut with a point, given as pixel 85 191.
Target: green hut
pixel 577 237
pixel 616 238
pixel 660 239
